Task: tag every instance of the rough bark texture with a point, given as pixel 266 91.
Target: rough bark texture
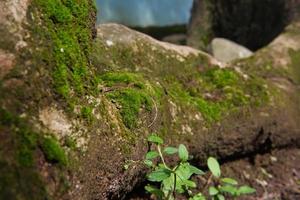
pixel 252 23
pixel 74 111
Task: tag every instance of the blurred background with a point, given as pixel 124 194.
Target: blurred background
pixel 250 23
pixel 144 12
pixel 162 19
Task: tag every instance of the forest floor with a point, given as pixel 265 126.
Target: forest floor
pixel 275 175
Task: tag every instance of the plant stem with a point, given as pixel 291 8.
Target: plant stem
pixel 207 183
pixel 161 156
pixel 174 190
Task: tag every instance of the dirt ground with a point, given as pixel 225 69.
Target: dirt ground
pixel 274 175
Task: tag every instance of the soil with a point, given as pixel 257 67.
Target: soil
pixel 274 175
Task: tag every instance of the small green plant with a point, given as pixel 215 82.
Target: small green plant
pixel 174 180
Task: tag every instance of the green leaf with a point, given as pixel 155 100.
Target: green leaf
pixel 170 150
pixel 214 167
pixel 151 155
pixel 229 181
pixel 220 197
pixel 183 171
pixel 159 175
pixel 148 163
pixel 213 191
pixel 198 196
pixel 155 139
pixel 183 153
pixel 153 190
pixel 245 190
pixel 195 170
pixel 190 183
pixel 229 189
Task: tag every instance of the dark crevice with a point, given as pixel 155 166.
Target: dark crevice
pixel 251 23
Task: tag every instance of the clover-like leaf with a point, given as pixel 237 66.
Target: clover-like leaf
pixel 198 196
pixel 213 191
pixel 148 163
pixel 183 153
pixel 220 197
pixel 170 150
pixel 214 167
pixel 153 190
pixel 195 170
pixel 245 190
pixel 230 189
pixel 159 175
pixel 151 155
pixel 229 181
pixel 155 139
pixel 190 183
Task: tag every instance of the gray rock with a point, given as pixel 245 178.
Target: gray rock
pixel 225 50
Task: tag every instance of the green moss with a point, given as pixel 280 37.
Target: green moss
pixel 25 139
pixel 216 92
pixel 20 183
pixel 66 30
pixel 53 151
pixel 211 111
pixel 131 92
pixel 295 58
pixel 220 77
pixel 69 142
pixel 87 113
pixel 131 101
pixel 19 176
pixel 28 142
pixel 213 91
pixel 6 118
pixel 112 78
pixel 176 90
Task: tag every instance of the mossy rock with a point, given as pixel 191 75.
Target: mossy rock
pixel 74 110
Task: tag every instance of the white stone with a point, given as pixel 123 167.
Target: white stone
pixel 226 51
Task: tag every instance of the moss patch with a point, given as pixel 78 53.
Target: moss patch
pixel 131 92
pixel 53 151
pixel 66 29
pixel 131 101
pixel 29 141
pixel 87 113
pixel 18 153
pixel 189 81
pixel 20 156
pixel 216 92
pixel 295 57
